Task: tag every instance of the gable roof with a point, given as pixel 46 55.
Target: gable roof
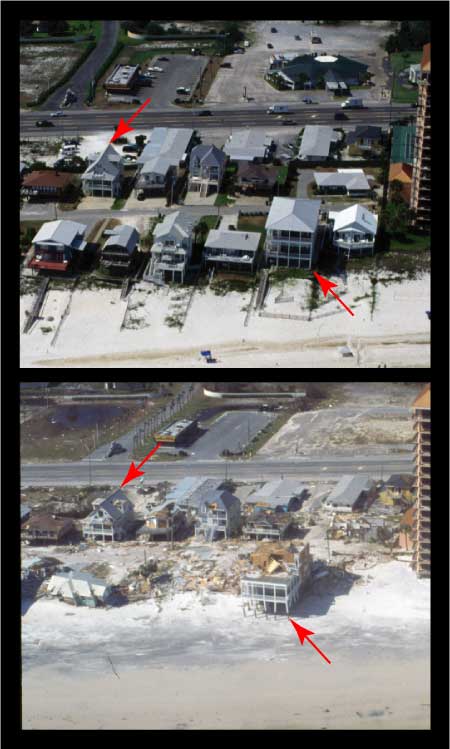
pixel 247 144
pixel 348 490
pixel 352 179
pixel 223 499
pixel 157 165
pixel 316 140
pixel 46 178
pixel 293 214
pixel 207 155
pixel 401 171
pixel 107 166
pixel 191 489
pixel 124 236
pixel 370 132
pixel 62 231
pixel 108 505
pixel 356 216
pixel 171 142
pixel 176 224
pixel 277 492
pixel 251 170
pixel 233 240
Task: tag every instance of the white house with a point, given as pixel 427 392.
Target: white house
pixel 231 250
pixel 414 73
pixel 354 230
pixel 103 177
pixel 172 248
pixel 206 168
pixel 292 232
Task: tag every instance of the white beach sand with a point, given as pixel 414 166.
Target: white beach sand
pixel 91 335
pixel 196 662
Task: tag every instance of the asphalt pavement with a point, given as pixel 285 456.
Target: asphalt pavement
pixel 231 431
pixel 80 473
pixel 85 73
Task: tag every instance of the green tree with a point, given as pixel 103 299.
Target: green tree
pixel 154 28
pixel 396 218
pixel 396 191
pixel 231 28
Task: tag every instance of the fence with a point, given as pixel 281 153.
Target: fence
pixel 305 318
pixel 34 314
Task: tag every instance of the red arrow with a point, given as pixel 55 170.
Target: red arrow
pixel 327 286
pixel 134 472
pixel 123 127
pixel 303 634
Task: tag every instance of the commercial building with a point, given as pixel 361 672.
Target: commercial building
pixel 177 433
pixel 421 531
pixel 123 79
pixel 354 230
pixel 334 72
pixel 351 493
pixel 421 183
pixel 231 250
pixel 292 232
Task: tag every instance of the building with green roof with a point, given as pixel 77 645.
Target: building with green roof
pixel 308 71
pixel 402 148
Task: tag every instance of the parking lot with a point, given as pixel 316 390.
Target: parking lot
pixel 231 431
pixel 181 70
pixel 361 41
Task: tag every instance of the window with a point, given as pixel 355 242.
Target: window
pixel 295 235
pixel 285 234
pixel 284 247
pixel 275 234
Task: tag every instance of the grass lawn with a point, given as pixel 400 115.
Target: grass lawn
pixel 399 61
pixel 282 175
pixel 222 199
pixel 118 204
pixel 283 274
pixel 416 242
pixel 87 27
pixel 211 221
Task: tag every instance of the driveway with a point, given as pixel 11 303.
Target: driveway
pixel 85 73
pixel 305 176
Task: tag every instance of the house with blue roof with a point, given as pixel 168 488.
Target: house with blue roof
pixel 110 518
pixel 219 515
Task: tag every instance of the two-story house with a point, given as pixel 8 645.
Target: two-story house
pixel 163 159
pixel 110 518
pixel 56 244
pixel 219 515
pixel 292 232
pixel 172 248
pixel 354 230
pixel 103 177
pixel 206 169
pixel 231 250
pixel 119 249
pixel 156 176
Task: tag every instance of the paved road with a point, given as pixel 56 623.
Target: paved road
pixel 47 211
pixel 93 121
pixel 86 72
pixel 77 474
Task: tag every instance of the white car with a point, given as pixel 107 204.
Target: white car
pixel 58 114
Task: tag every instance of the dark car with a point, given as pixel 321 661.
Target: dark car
pixel 114 449
pixel 289 122
pixel 163 59
pixel 270 46
pixel 298 38
pixel 340 116
pixel 226 65
pixel 429 314
pixel 44 123
pixel 130 149
pixel 306 100
pixel 273 30
pixel 204 112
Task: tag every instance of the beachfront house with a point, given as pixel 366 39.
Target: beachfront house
pixel 57 244
pixel 231 250
pixel 354 230
pixel 110 519
pixel 171 251
pixel 292 232
pixel 79 589
pixel 119 249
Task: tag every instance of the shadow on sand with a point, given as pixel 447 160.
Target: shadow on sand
pixel 322 592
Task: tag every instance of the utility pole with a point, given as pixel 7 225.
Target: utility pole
pixel 90 470
pixel 328 544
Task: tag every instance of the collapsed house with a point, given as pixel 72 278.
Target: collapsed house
pixel 219 514
pixel 267 524
pixel 163 522
pixel 285 495
pixel 110 518
pixel 287 571
pixel 78 588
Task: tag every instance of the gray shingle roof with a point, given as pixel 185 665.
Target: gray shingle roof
pixel 290 214
pixel 176 224
pixel 364 131
pixel 233 240
pixel 278 492
pixel 107 165
pixel 348 489
pixel 124 236
pixel 224 499
pixel 157 165
pixel 316 140
pixel 207 155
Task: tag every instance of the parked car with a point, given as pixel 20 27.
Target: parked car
pixel 44 123
pixel 273 30
pixel 298 38
pixel 58 114
pixel 429 314
pixel 307 100
pixel 130 149
pixel 114 449
pixel 183 90
pixel 289 122
pixel 204 112
pixel 226 65
pixel 270 46
pixel 129 159
pixel 141 196
pixel 340 116
pixel 163 59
